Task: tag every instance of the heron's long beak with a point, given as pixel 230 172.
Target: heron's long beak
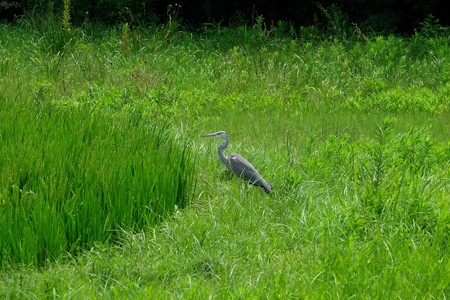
pixel 209 135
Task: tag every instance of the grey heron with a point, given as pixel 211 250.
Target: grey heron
pixel 238 164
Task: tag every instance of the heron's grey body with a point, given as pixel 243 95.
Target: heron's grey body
pixel 239 165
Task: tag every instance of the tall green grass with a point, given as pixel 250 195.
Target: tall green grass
pixel 352 134
pixel 71 178
pixel 235 69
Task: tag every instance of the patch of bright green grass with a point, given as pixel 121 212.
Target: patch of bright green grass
pixel 73 177
pixel 222 71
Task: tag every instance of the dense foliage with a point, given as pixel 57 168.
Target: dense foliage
pixel 379 16
pixel 72 178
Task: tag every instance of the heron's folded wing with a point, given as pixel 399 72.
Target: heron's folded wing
pixel 243 169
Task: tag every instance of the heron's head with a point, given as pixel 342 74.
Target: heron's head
pixel 218 134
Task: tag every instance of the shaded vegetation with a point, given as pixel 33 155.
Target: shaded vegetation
pixel 389 16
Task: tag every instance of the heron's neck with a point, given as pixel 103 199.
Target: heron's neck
pixel 222 157
pixel 225 143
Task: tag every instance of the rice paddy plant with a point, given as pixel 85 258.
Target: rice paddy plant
pixel 74 177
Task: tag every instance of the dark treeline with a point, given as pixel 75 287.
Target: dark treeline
pixel 392 16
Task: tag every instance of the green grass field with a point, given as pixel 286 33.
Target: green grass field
pixel 107 189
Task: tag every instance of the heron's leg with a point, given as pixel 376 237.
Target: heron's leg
pixel 241 185
pixel 245 187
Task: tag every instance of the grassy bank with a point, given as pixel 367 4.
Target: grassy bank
pixel 352 134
